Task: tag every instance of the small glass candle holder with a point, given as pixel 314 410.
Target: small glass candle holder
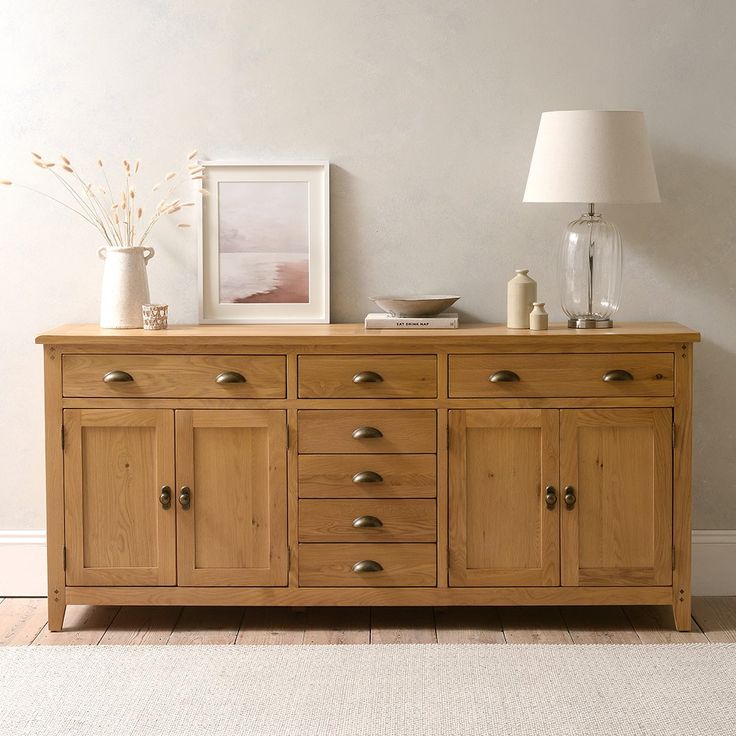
pixel 155 316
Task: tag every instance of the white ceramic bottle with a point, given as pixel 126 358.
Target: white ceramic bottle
pixel 520 297
pixel 538 318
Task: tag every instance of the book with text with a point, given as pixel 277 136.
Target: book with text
pixel 383 321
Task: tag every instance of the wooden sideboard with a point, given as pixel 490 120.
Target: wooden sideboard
pixel 327 465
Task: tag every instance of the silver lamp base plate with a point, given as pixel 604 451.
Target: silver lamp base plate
pixel 589 324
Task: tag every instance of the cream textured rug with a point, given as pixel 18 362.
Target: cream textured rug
pixel 402 690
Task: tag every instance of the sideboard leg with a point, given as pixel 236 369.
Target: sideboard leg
pixel 682 610
pixel 57 609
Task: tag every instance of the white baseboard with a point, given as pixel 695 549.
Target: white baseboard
pixel 23 562
pixel 714 562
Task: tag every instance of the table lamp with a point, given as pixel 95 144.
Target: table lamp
pixel 591 156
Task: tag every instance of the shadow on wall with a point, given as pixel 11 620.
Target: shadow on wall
pixel 689 252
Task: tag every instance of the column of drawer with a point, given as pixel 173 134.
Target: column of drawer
pixel 367 477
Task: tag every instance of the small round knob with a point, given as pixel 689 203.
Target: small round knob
pixel 165 497
pixel 570 497
pixel 550 497
pixel 185 497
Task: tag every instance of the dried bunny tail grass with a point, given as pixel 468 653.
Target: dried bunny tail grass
pixel 137 166
pixel 197 178
pixel 203 192
pixel 140 212
pixel 6 182
pixel 170 176
pixel 187 204
pixel 99 162
pixel 183 224
pixel 117 219
pixel 37 156
pixel 68 168
pixel 156 186
pixel 65 160
pixel 132 193
pixel 191 154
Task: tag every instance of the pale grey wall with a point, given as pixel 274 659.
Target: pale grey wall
pixel 428 110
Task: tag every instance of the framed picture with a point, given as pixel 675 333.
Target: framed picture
pixel 264 242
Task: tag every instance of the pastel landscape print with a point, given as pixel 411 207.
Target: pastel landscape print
pixel 264 242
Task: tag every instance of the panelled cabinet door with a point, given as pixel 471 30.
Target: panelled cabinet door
pixel 616 474
pixel 231 497
pixel 504 521
pixel 118 530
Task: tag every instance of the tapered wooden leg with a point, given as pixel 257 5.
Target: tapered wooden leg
pixel 57 609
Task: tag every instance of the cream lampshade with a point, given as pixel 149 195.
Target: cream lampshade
pixel 591 156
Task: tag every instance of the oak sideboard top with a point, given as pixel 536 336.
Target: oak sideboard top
pixel 558 336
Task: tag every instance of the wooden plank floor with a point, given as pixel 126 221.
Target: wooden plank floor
pixel 23 622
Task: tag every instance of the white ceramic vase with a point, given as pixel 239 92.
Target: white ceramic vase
pixel 124 286
pixel 521 295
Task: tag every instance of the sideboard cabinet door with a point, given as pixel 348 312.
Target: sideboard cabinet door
pixel 116 463
pixel 231 497
pixel 616 473
pixel 504 500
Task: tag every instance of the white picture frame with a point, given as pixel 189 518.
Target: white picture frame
pixel 264 243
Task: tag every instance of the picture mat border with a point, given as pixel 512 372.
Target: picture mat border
pixel 316 311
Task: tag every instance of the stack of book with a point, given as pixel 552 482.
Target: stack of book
pixel 383 321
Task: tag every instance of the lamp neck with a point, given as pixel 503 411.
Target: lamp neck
pixel 591 209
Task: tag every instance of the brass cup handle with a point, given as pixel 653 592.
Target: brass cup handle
pixel 367 566
pixel 617 375
pixel 367 522
pixel 165 497
pixel 550 497
pixel 367 377
pixel 230 377
pixel 185 497
pixel 366 433
pixel 117 377
pixel 570 497
pixel 367 476
pixel 504 377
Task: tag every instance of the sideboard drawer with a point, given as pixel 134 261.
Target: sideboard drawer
pixel 585 375
pixel 367 431
pixel 376 476
pixel 383 565
pixel 367 520
pixel 367 376
pixel 175 376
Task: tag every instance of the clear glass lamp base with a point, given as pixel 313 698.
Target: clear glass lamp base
pixel 590 266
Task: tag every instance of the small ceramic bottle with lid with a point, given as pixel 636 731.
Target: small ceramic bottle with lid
pixel 538 318
pixel 521 295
